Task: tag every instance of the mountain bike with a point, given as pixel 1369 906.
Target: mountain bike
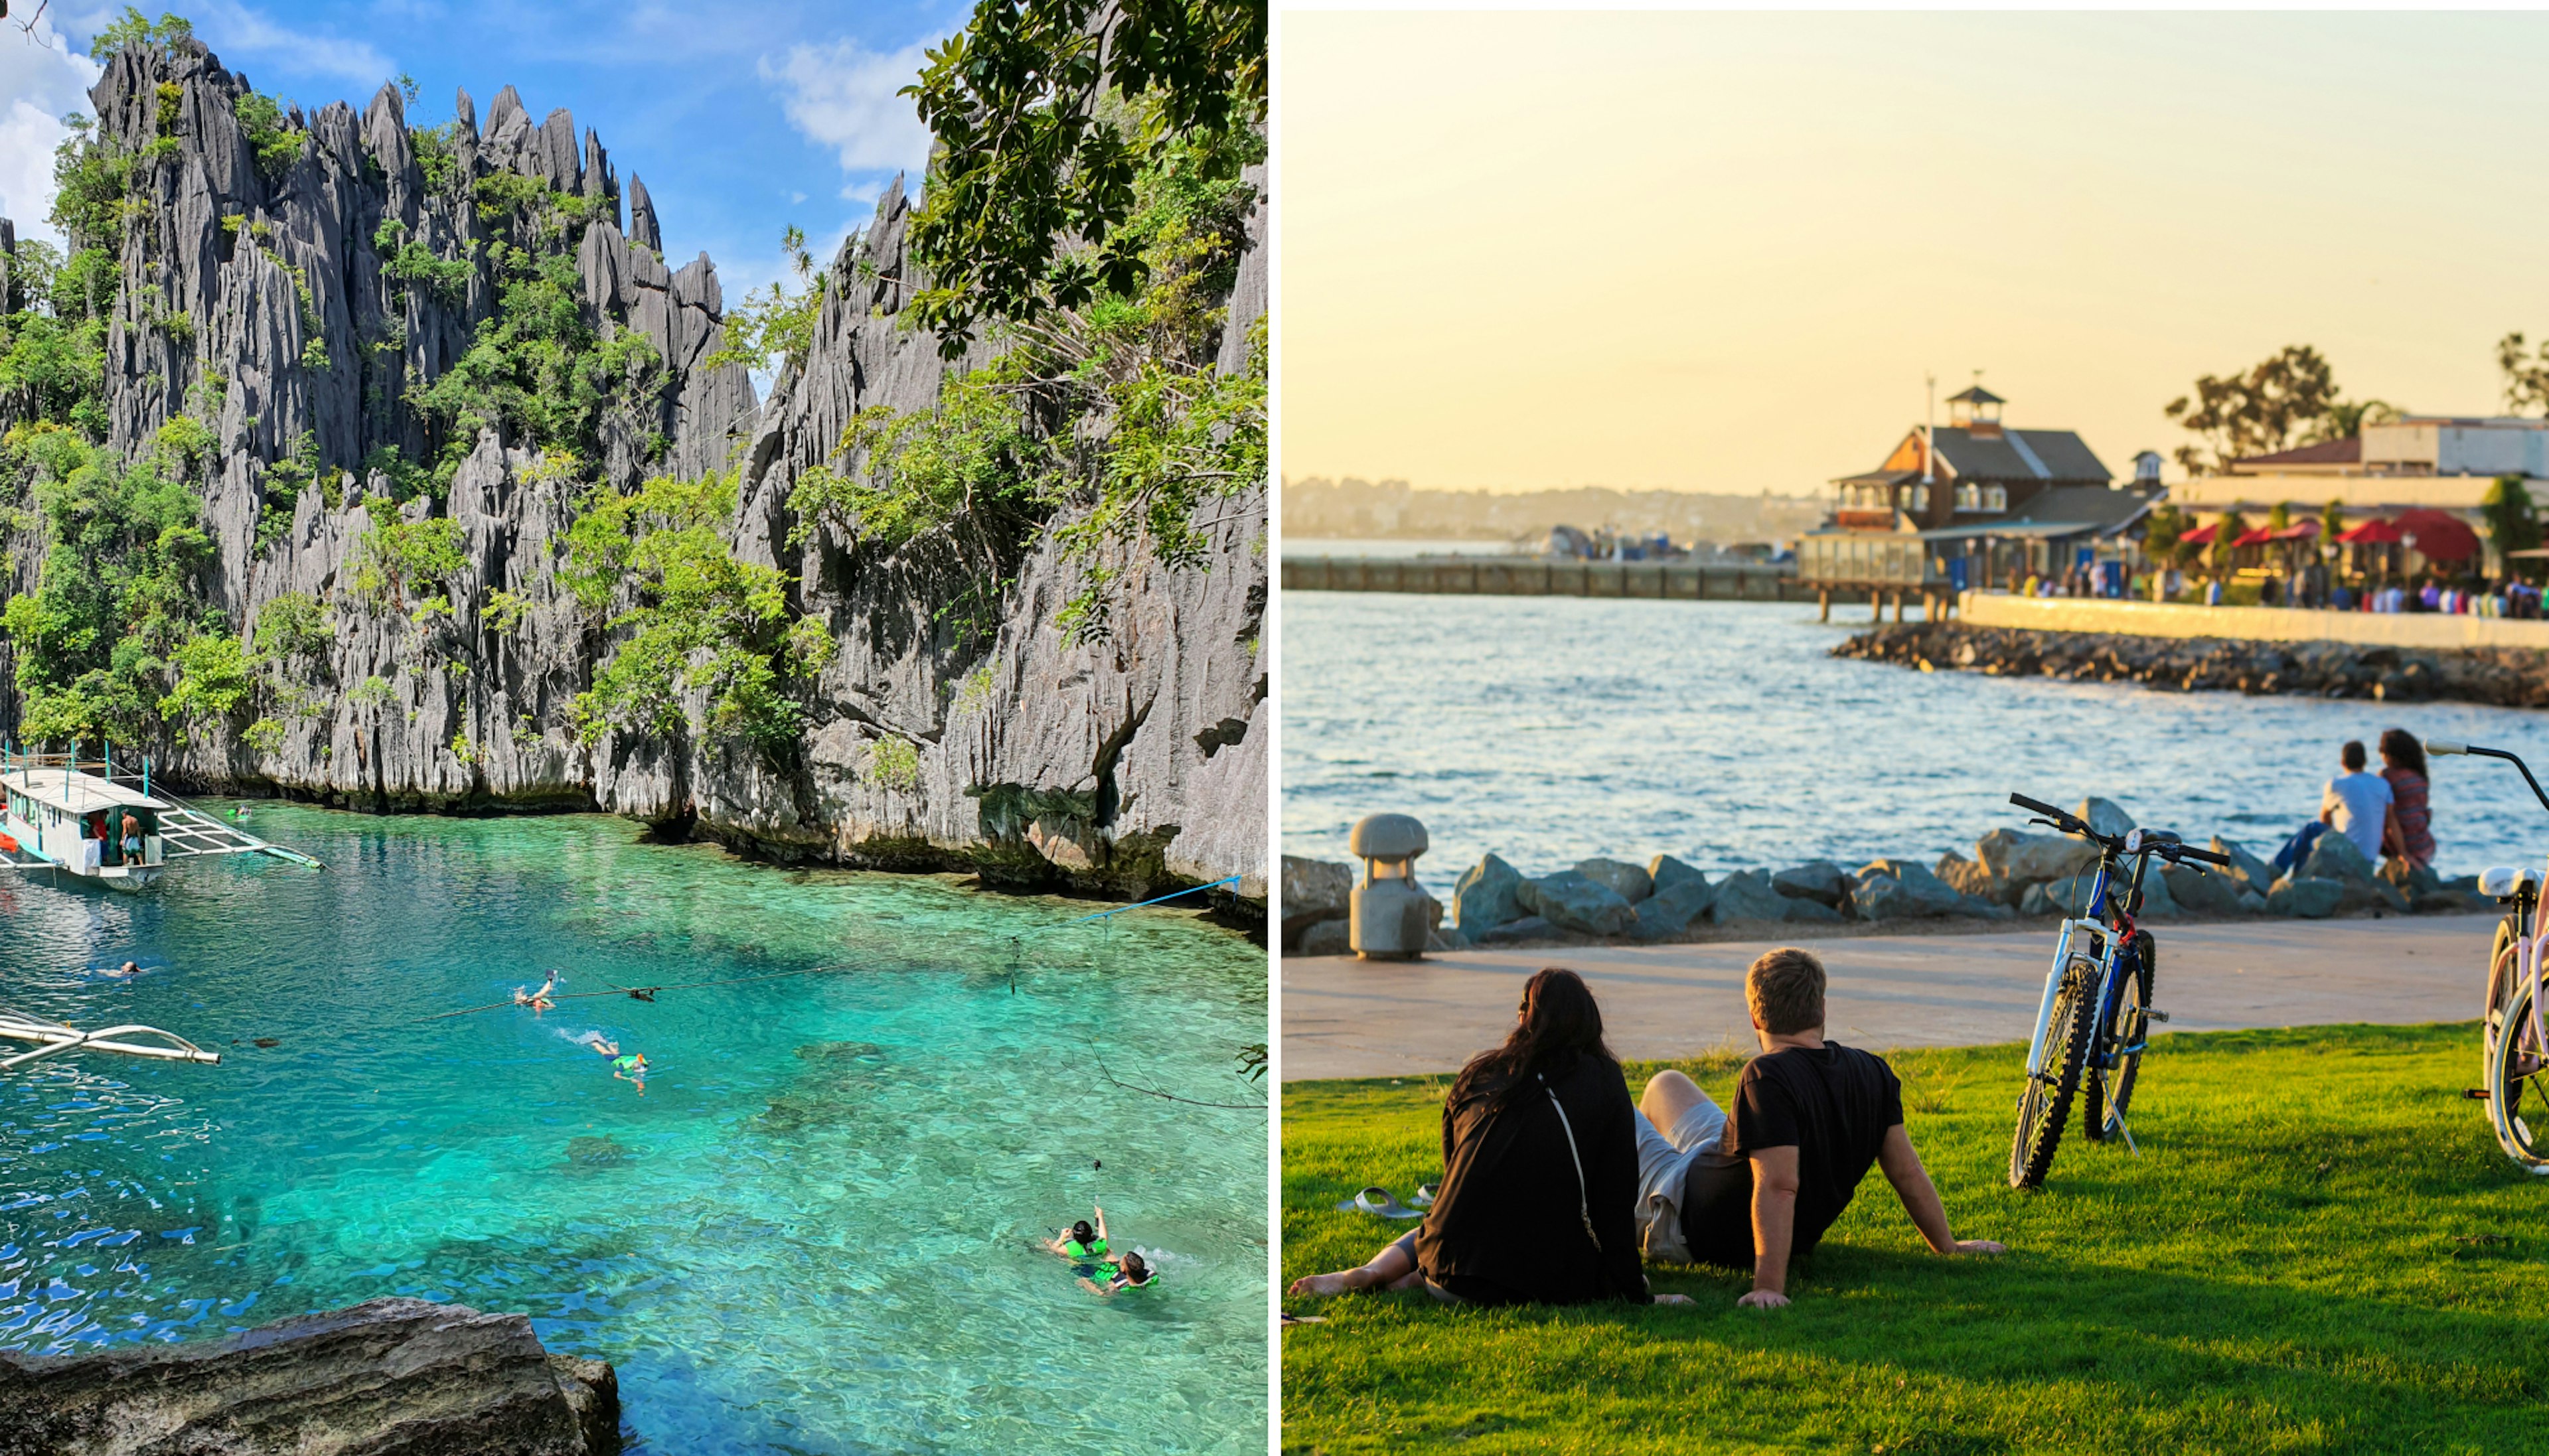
pixel 2094 1023
pixel 2514 1054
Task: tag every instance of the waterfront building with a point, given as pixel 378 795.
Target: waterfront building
pixel 2419 463
pixel 1978 503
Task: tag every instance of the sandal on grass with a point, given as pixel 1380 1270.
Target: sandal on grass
pixel 1380 1201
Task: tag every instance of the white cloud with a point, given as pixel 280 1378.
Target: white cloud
pixel 44 81
pixel 842 96
pixel 234 31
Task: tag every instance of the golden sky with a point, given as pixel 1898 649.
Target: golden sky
pixel 1718 253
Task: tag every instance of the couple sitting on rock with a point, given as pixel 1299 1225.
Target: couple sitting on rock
pixel 1555 1185
pixel 2384 814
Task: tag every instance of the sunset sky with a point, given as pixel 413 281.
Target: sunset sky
pixel 1718 253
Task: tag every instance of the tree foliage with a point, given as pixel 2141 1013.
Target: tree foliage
pixel 100 640
pixel 2513 521
pixel 703 622
pixel 2265 410
pixel 1035 173
pixel 538 373
pixel 132 29
pixel 773 328
pixel 1158 430
pixel 2527 377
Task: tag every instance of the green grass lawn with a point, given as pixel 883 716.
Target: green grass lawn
pixel 2319 1248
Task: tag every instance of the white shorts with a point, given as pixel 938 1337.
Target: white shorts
pixel 1663 1160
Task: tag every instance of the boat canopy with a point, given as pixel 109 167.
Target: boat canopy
pixel 75 792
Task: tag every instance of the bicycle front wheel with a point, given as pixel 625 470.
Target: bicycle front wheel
pixel 2046 1102
pixel 2517 1086
pixel 2111 1085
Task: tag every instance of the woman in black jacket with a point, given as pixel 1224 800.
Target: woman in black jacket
pixel 1540 1172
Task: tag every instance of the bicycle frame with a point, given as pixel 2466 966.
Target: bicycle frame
pixel 2108 941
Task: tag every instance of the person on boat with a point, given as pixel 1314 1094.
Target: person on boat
pixel 630 1068
pixel 131 837
pixel 1128 1272
pixel 538 1000
pixel 1082 1244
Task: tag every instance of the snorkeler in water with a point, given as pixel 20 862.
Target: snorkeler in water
pixel 1082 1244
pixel 597 1042
pixel 538 1000
pixel 1129 1272
pixel 630 1068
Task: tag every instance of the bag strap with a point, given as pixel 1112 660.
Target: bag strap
pixel 1584 1191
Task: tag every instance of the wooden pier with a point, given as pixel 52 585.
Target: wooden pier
pixel 1526 576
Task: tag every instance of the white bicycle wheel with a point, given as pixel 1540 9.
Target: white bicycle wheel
pixel 2517 1086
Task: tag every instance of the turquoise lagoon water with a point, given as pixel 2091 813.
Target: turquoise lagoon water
pixel 812 1233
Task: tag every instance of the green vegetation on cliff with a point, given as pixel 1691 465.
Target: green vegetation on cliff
pixel 1007 448
pixel 107 645
pixel 704 621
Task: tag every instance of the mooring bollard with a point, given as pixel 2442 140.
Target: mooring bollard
pixel 1388 916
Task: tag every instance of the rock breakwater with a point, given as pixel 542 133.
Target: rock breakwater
pixel 2010 875
pixel 2500 676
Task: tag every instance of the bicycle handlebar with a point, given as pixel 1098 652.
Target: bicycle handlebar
pixel 2437 746
pixel 2153 842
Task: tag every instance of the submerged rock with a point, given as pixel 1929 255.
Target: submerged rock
pixel 866 1052
pixel 596 1152
pixel 395 1375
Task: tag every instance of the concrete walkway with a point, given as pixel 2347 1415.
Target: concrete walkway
pixel 1345 1018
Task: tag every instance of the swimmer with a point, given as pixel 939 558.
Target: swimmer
pixel 538 1000
pixel 1129 1272
pixel 597 1042
pixel 1082 1244
pixel 127 968
pixel 630 1068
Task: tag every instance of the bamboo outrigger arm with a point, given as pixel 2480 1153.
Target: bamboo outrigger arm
pixel 57 1038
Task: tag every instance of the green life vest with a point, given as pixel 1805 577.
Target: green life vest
pixel 1115 1271
pixel 1077 1250
pixel 626 1063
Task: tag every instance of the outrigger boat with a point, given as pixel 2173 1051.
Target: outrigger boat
pixel 61 817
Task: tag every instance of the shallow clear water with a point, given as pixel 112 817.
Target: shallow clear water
pixel 810 1233
pixel 1549 729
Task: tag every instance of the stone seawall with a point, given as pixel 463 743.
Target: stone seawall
pixel 2505 677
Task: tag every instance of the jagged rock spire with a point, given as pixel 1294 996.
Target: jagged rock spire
pixel 642 217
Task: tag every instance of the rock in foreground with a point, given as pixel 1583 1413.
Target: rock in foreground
pixel 390 1376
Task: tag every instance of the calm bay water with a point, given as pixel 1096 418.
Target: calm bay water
pixel 1549 729
pixel 810 1233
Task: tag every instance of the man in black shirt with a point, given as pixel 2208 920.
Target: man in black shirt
pixel 1810 1118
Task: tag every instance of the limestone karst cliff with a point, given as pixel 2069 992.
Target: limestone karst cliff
pixel 292 298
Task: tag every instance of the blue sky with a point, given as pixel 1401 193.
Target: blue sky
pixel 742 116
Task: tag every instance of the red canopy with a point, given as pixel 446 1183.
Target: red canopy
pixel 2200 536
pixel 2440 535
pixel 2374 533
pixel 2263 536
